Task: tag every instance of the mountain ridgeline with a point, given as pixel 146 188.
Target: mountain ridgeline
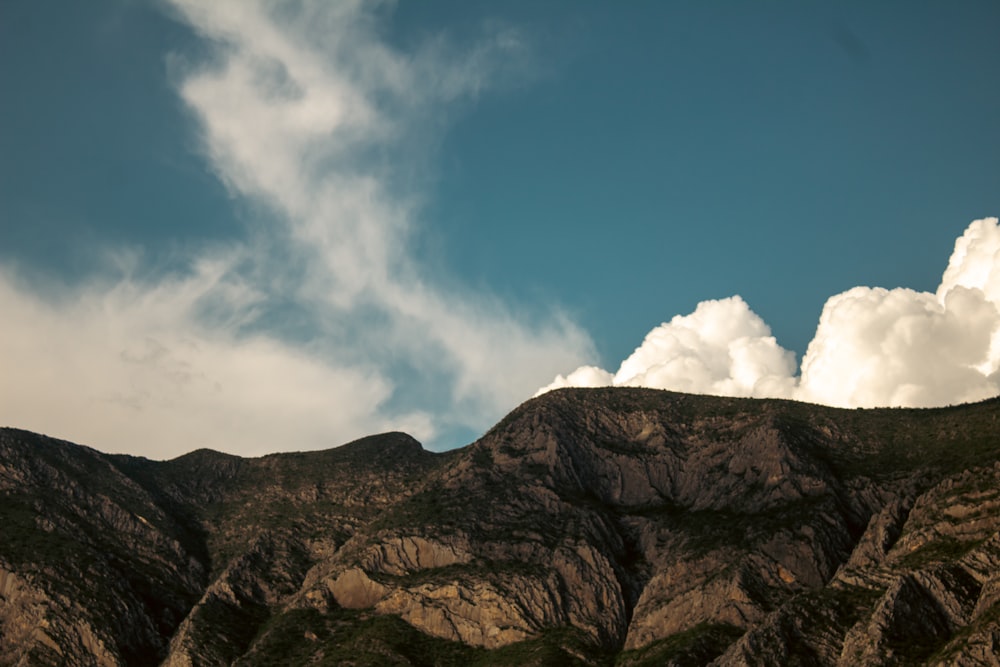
pixel 589 527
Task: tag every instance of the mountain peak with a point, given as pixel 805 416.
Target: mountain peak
pixel 589 526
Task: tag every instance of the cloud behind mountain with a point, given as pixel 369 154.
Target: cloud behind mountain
pixel 874 347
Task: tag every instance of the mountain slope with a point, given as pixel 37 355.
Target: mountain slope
pixel 602 526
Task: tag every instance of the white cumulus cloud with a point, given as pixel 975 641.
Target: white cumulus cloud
pixel 723 347
pixel 873 346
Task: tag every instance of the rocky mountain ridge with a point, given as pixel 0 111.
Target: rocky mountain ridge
pixel 592 527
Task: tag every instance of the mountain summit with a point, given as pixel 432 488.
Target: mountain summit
pixel 590 526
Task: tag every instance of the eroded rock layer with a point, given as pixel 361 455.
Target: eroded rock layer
pixel 594 527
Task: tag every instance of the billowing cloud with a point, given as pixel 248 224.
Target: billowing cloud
pixel 879 347
pixel 975 264
pixel 722 348
pixel 319 326
pixel 584 376
pixel 873 346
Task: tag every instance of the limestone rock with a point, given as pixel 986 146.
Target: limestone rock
pixel 594 527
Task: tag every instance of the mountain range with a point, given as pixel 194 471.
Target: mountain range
pixel 601 527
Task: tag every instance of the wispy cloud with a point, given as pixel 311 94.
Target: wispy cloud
pixel 873 346
pixel 137 367
pixel 306 112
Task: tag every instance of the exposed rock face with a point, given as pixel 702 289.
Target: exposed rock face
pixel 96 568
pixel 612 526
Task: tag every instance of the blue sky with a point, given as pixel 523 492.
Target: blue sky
pixel 261 229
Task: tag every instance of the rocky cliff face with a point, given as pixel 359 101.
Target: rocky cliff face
pixel 592 527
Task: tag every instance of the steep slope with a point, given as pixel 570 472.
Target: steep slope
pixel 609 526
pixel 92 569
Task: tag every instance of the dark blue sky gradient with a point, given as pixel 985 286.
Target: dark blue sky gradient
pixel 688 151
pixel 97 146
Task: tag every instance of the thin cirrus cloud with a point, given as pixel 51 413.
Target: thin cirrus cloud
pixel 296 108
pixel 873 346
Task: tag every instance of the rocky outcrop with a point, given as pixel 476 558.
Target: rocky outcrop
pixel 596 527
pixel 22 622
pixel 237 603
pixel 96 570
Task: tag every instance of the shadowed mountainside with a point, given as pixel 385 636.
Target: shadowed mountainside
pixel 590 526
